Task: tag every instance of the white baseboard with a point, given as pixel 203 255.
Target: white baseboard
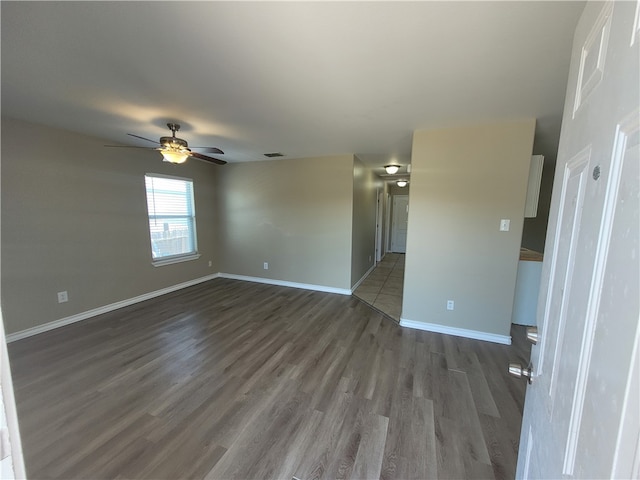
pixel 282 283
pixel 12 337
pixel 458 332
pixel 147 296
pixel 353 289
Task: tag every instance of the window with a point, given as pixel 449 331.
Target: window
pixel 172 219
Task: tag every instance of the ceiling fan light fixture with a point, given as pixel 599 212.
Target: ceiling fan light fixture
pixel 391 169
pixel 174 156
pixel 402 183
pixel 176 150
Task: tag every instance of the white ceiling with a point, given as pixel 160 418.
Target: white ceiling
pixel 305 79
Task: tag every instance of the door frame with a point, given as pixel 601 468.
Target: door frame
pixel 387 223
pixel 379 224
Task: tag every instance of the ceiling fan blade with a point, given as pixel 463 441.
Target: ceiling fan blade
pixel 207 159
pixel 147 139
pixel 128 146
pixel 210 150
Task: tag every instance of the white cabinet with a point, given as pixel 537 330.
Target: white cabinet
pixel 525 303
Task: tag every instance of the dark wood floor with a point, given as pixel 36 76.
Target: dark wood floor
pixel 231 379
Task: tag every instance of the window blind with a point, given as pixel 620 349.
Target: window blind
pixel 172 220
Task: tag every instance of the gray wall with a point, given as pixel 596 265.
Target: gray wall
pixel 74 218
pixel 364 220
pixel 295 214
pixel 463 181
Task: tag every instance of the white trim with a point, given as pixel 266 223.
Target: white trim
pixel 636 25
pixel 527 460
pixel 175 259
pixel 12 337
pixel 458 332
pixel 575 166
pixel 353 289
pixel 379 220
pixel 282 283
pixel 599 33
pixel 629 425
pixel 387 224
pixel 533 186
pixel 14 461
pixel 171 177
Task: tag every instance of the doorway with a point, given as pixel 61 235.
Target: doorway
pixel 383 286
pixel 382 289
pixel 400 218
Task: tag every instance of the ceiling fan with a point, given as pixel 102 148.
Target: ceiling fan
pixel 176 150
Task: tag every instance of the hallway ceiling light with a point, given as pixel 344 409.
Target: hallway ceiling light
pixel 402 183
pixel 391 169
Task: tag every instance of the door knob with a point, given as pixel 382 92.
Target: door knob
pixel 532 335
pixel 516 370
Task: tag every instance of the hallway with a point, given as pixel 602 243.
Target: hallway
pixel 382 289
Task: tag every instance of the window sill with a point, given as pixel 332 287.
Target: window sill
pixel 168 261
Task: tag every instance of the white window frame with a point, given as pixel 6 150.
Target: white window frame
pixel 183 257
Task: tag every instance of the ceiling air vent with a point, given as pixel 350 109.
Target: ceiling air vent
pixel 274 155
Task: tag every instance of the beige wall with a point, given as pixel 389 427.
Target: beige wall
pixel 463 181
pixel 74 218
pixel 295 214
pixel 363 228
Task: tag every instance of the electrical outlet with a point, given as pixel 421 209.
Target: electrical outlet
pixel 369 258
pixel 450 304
pixel 210 263
pixel 63 297
pixel 266 265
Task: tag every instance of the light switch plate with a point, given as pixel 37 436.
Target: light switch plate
pixel 504 224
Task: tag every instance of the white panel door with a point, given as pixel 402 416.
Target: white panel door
pixel 399 223
pixel 11 458
pixel 581 412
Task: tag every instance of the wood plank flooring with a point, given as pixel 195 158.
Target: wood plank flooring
pixel 231 379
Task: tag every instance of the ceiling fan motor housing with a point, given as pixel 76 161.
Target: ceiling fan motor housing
pixel 174 142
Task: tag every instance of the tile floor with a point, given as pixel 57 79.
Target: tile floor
pixel 382 289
